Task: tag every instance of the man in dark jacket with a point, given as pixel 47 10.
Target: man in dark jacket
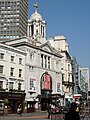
pixel 49 111
pixel 72 114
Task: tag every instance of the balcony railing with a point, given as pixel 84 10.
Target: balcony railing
pixel 68 83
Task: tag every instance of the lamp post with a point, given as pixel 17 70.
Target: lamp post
pixel 6 84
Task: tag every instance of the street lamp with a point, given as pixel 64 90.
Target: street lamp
pixel 6 84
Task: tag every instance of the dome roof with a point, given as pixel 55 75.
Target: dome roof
pixel 36 16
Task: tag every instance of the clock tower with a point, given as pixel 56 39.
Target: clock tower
pixel 37 26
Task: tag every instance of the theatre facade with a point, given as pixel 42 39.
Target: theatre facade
pixel 41 79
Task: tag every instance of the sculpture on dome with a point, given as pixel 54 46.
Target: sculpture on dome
pixel 36 5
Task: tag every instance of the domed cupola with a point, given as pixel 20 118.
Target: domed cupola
pixel 36 16
pixel 37 27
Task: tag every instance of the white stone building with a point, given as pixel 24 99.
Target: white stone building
pixel 60 44
pixel 43 77
pixel 37 28
pixel 12 77
pixel 43 68
pixel 42 63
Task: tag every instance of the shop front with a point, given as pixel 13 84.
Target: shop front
pixel 31 106
pixel 77 98
pixel 10 101
pixel 54 99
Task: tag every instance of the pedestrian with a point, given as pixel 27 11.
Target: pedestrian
pixel 19 110
pixel 49 111
pixel 72 114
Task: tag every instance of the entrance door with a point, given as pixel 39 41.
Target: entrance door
pixel 12 106
pixel 44 103
pixel 30 106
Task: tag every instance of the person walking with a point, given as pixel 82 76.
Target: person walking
pixel 72 114
pixel 49 111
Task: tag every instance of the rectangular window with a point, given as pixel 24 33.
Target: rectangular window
pixel 45 61
pixel 11 86
pixel 12 71
pixel 1 84
pixel 2 56
pixel 62 77
pixel 1 69
pixel 20 60
pixel 19 86
pixel 49 62
pixel 20 72
pixel 58 87
pixel 69 78
pixel 42 60
pixel 31 68
pixel 31 84
pixel 1 105
pixel 12 58
pixel 68 67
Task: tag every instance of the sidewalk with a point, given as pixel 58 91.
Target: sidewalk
pixel 36 114
pixel 26 116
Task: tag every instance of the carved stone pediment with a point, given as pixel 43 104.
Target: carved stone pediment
pixel 47 47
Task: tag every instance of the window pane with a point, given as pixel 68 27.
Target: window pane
pixel 1 84
pixel 1 56
pixel 20 72
pixel 20 60
pixel 19 86
pixel 12 58
pixel 11 86
pixel 12 70
pixel 1 69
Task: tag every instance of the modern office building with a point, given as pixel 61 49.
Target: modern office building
pixel 13 18
pixel 84 81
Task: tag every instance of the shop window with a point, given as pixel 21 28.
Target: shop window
pixel 1 105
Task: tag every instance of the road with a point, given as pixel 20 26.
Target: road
pixel 38 115
pixel 27 116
